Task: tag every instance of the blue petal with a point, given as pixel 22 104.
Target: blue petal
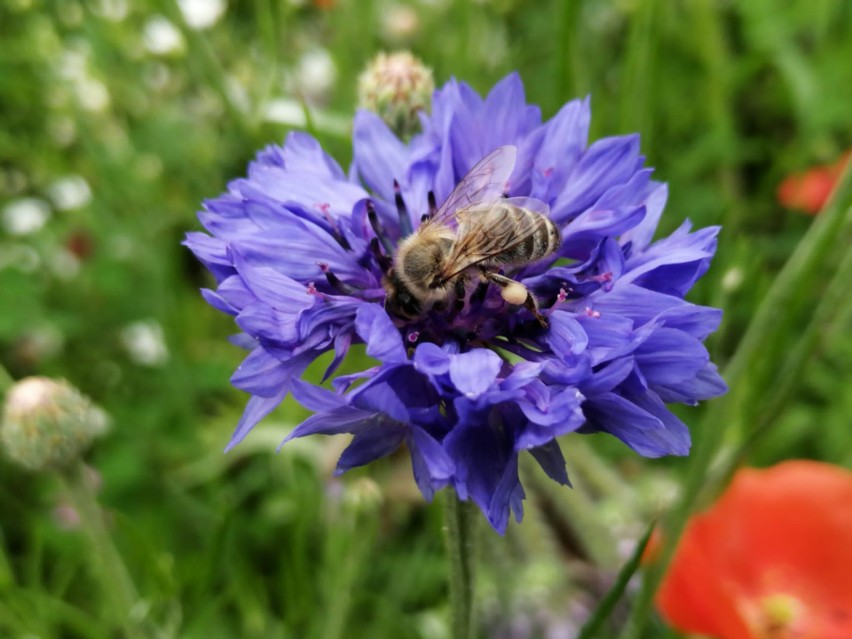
pixel 432 467
pixel 640 236
pixel 379 333
pixel 264 322
pixel 549 457
pixel 643 432
pixel 566 335
pixel 262 374
pixel 706 384
pixel 473 372
pixel 430 359
pixel 400 392
pixel 256 409
pixel 315 398
pixel 669 356
pixel 583 235
pixel 270 286
pixel 343 419
pixel 302 152
pixel 566 136
pixel 508 497
pixel 379 155
pixel 606 163
pixel 371 444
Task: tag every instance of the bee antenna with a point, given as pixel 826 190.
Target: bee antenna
pixel 401 210
pixel 433 206
pixel 378 229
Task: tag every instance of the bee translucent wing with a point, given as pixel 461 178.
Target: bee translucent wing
pixel 530 204
pixel 491 235
pixel 483 183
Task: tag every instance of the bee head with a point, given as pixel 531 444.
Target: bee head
pixel 400 301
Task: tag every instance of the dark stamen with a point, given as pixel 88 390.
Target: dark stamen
pixel 433 206
pixel 335 229
pixel 382 260
pixel 339 285
pixel 402 211
pixel 378 229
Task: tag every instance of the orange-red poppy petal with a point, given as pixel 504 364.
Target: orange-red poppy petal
pixel 776 535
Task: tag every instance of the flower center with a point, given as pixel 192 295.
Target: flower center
pixel 778 616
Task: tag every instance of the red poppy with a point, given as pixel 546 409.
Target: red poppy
pixel 809 191
pixel 772 559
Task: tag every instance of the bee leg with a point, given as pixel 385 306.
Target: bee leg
pixel 459 290
pixel 515 293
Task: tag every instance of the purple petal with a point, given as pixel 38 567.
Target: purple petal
pixel 431 359
pixel 371 444
pixel 379 333
pixel 473 372
pixel 262 374
pixel 549 457
pixel 566 335
pixel 256 409
pixel 432 467
pixel 508 497
pixel 315 398
pixel 343 419
pixel 379 155
pixel 605 163
pixel 566 136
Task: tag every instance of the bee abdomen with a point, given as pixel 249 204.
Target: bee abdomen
pixel 542 237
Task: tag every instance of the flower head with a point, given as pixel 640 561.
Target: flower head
pixel 809 191
pixel 303 252
pixel 398 87
pixel 48 423
pixel 770 560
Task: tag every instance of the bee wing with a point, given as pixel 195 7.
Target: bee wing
pixel 483 183
pixel 488 236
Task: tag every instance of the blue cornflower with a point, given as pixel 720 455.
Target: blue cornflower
pixel 301 252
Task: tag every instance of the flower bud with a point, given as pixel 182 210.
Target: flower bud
pixel 396 86
pixel 48 423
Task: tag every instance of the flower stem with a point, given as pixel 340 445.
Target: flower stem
pixel 6 380
pixel 109 568
pixel 460 526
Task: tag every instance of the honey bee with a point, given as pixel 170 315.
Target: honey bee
pixel 474 233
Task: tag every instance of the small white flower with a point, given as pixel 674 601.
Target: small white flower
pixel 25 216
pixel 202 14
pixel 162 37
pixel 732 279
pixel 315 73
pixel 93 95
pixel 145 343
pixel 69 192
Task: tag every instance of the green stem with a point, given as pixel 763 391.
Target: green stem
pixel 109 568
pixel 6 380
pixel 460 528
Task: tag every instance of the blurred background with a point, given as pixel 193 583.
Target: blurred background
pixel 118 118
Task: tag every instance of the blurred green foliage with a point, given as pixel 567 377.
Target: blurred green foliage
pixel 117 118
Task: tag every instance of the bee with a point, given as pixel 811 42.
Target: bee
pixel 474 233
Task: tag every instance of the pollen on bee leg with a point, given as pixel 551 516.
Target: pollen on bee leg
pixel 514 293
